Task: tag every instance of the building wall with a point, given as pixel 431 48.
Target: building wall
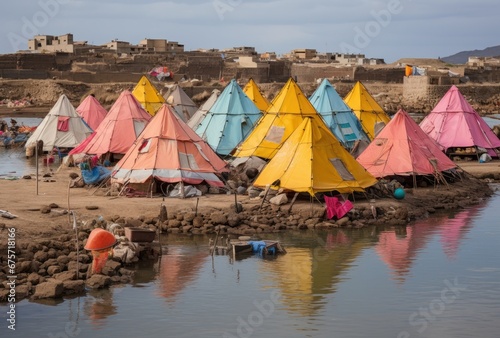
pixel 312 72
pixel 415 88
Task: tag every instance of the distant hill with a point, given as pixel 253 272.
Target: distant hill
pixel 462 57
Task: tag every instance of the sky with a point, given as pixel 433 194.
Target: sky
pixel 388 29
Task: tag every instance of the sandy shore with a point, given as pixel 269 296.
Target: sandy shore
pixel 21 199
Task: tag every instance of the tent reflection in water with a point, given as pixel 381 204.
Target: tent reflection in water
pixel 170 152
pixel 308 276
pixel 399 248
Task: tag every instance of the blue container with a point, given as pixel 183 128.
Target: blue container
pixel 399 193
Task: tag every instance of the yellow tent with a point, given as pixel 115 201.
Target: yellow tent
pixel 254 93
pixel 148 96
pixel 366 109
pixel 286 113
pixel 312 160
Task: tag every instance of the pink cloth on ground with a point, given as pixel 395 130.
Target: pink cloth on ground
pixel 336 208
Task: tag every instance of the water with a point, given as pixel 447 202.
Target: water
pixel 435 278
pixel 13 161
pixel 438 277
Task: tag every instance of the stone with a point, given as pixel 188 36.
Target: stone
pixel 253 192
pixel 218 218
pixel 198 222
pixel 91 207
pixel 241 190
pixel 63 259
pixel 343 221
pixel 41 256
pixel 22 291
pixel 113 265
pixel 49 289
pixel 179 216
pixel 187 228
pixel 53 269
pixel 189 217
pixel 173 223
pixel 279 199
pixel 23 267
pixel 53 206
pixel 72 287
pixel 98 281
pixel 34 278
pixel 66 275
pixel 45 210
pixel 133 222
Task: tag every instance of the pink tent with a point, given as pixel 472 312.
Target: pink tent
pixel 91 112
pixel 119 129
pixel 454 123
pixel 402 148
pixel 169 150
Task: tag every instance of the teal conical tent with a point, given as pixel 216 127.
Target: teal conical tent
pixel 337 115
pixel 229 121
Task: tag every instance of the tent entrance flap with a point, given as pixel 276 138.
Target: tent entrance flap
pixel 342 169
pixel 275 134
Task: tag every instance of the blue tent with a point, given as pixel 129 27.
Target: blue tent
pixel 337 115
pixel 229 121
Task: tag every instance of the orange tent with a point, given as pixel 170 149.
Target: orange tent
pixel 168 150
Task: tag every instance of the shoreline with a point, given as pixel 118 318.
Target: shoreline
pixel 46 255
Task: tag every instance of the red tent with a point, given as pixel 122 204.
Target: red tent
pixel 119 129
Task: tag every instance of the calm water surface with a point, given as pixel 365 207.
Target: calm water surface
pixel 435 278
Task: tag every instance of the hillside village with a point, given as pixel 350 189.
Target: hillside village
pixel 76 67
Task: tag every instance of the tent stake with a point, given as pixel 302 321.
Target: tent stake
pixel 293 201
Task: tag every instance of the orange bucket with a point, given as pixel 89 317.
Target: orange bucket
pixel 100 239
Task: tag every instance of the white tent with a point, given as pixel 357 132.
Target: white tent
pixel 62 127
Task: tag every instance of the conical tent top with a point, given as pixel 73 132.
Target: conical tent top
pixel 100 239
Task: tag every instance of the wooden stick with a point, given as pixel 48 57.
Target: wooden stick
pixel 293 201
pixel 265 195
pixel 196 208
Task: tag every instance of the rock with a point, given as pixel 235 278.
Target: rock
pixel 253 192
pixel 113 265
pixel 241 190
pixel 179 216
pixel 343 221
pixel 22 291
pixel 213 190
pixel 218 218
pixel 66 275
pixel 189 216
pixel 34 278
pixel 238 208
pixel 49 289
pixel 91 207
pixel 98 281
pixel 27 177
pixel 173 223
pixel 73 176
pixel 279 199
pixel 133 222
pixel 198 222
pixel 23 267
pixel 72 287
pixel 232 184
pixel 53 269
pixel 45 210
pixel 53 206
pixel 186 229
pixel 252 173
pixel 63 259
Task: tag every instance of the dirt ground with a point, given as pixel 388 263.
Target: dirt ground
pixel 24 199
